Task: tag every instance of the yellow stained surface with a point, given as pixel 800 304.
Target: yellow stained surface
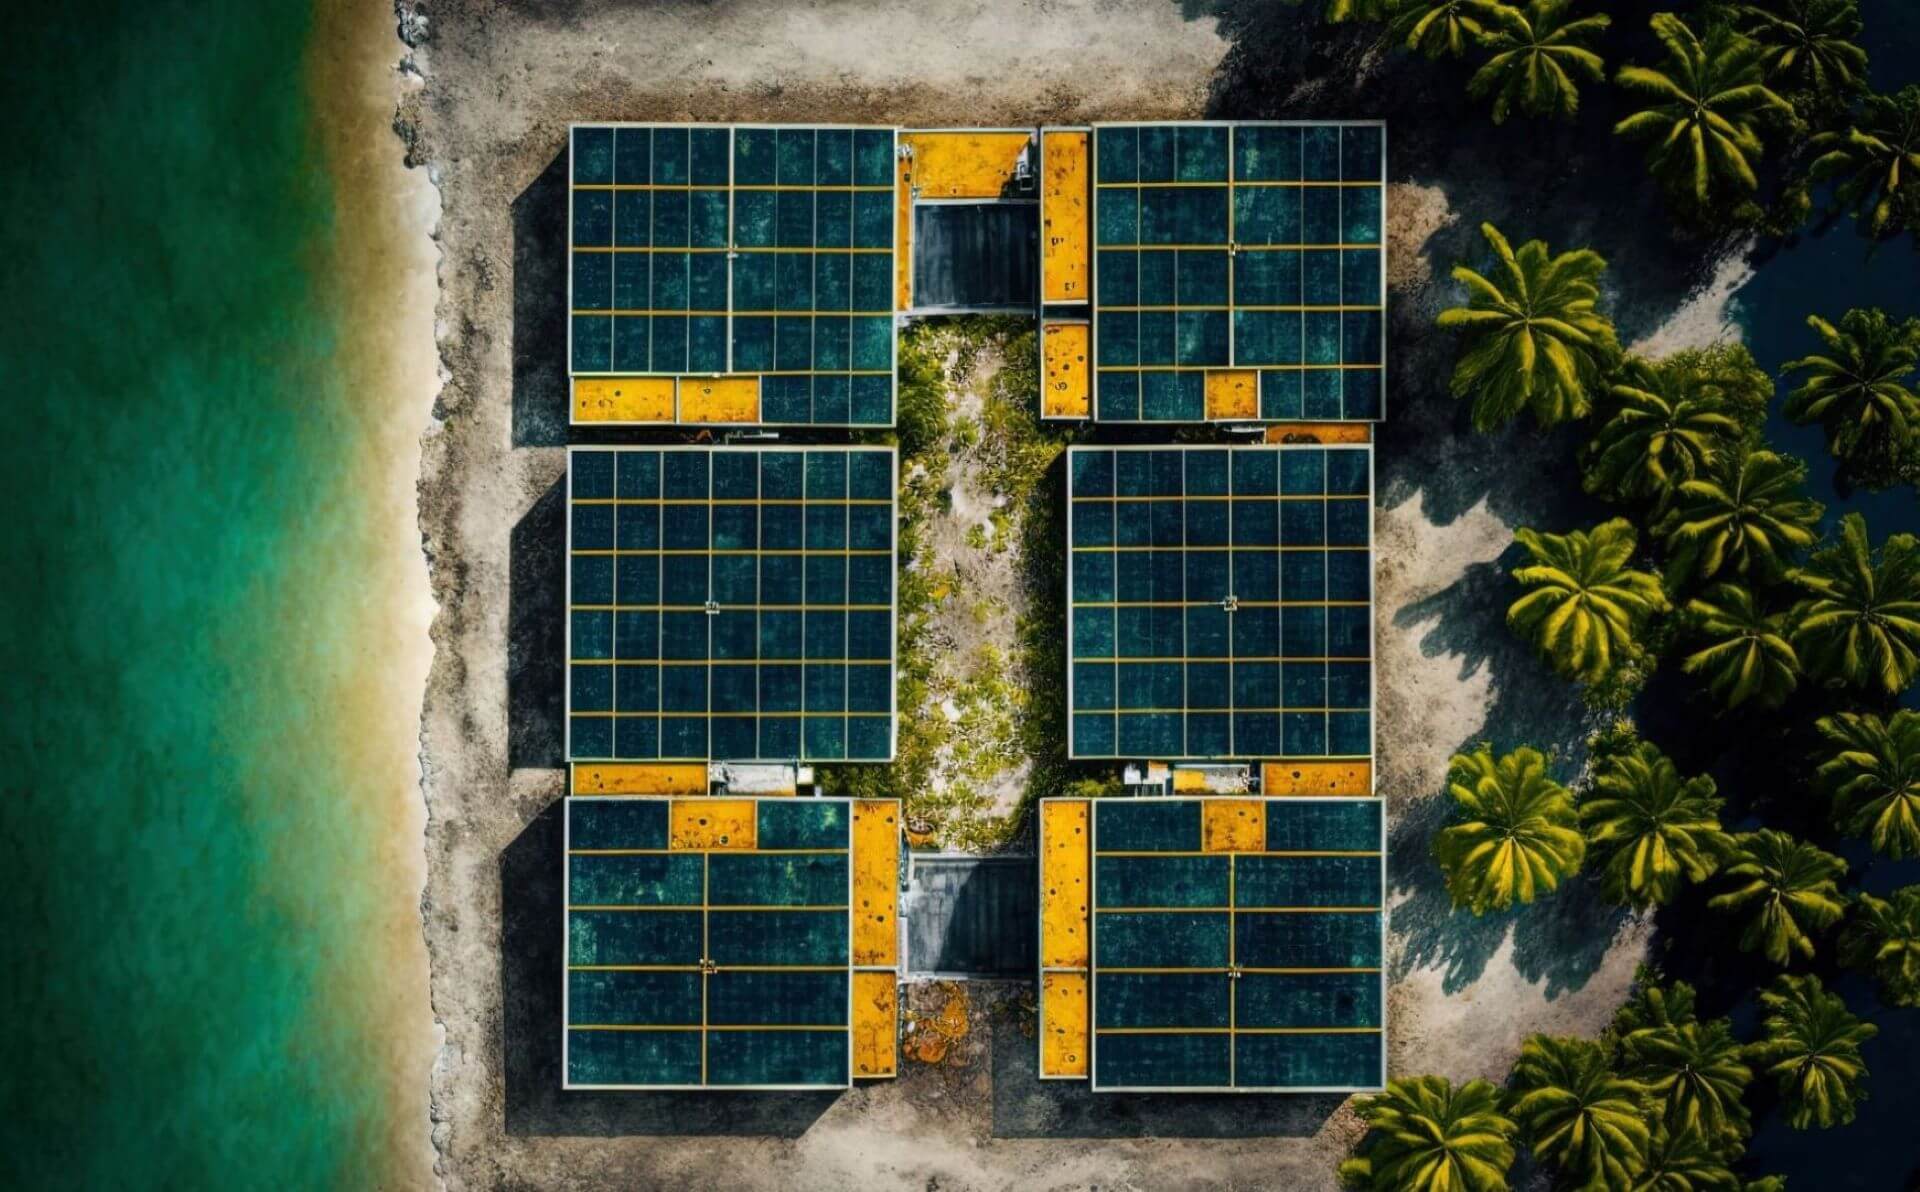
pixel 876 1024
pixel 720 399
pixel 1064 390
pixel 1320 432
pixel 1063 1014
pixel 623 399
pixel 903 234
pixel 964 164
pixel 712 824
pixel 631 778
pixel 1233 826
pixel 1316 778
pixel 1065 259
pixel 876 881
pixel 1189 782
pixel 1233 393
pixel 1064 890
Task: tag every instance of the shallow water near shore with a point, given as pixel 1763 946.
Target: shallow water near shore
pixel 209 962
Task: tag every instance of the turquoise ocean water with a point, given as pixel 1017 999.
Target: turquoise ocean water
pixel 189 876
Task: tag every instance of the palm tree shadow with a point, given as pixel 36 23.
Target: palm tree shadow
pixel 1562 940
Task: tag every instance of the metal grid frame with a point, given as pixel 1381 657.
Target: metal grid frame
pixel 892 608
pixel 1233 1032
pixel 733 251
pixel 568 1026
pixel 1232 249
pixel 1074 605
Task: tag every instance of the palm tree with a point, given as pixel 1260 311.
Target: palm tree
pixel 1537 54
pixel 1424 1135
pixel 1653 827
pixel 1660 430
pixel 1812 1050
pixel 1339 11
pixel 1747 656
pixel 1884 940
pixel 1875 162
pixel 1578 1114
pixel 1707 105
pixel 1807 46
pixel 1858 389
pixel 1875 778
pixel 1439 28
pixel 1747 511
pixel 1587 605
pixel 1654 1007
pixel 1697 1074
pixel 1789 890
pixel 1860 622
pixel 1682 1161
pixel 1516 835
pixel 1538 344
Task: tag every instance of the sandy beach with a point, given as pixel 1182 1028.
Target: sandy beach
pixel 381 278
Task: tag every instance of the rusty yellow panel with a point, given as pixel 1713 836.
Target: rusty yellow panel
pixel 1064 883
pixel 876 1025
pixel 712 824
pixel 1233 393
pixel 876 881
pixel 1063 1017
pixel 720 399
pixel 629 778
pixel 1186 782
pixel 623 399
pixel 1320 432
pixel 1065 255
pixel 1064 390
pixel 902 234
pixel 1233 826
pixel 964 164
pixel 1316 778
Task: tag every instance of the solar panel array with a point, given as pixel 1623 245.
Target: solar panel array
pixel 1220 602
pixel 731 603
pixel 1239 246
pixel 1250 964
pixel 733 249
pixel 692 961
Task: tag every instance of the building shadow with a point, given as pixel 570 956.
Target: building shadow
pixel 1024 1106
pixel 536 634
pixel 540 391
pixel 532 905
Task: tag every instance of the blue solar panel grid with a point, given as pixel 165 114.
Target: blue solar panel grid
pixel 731 604
pixel 1250 247
pixel 717 249
pixel 1220 602
pixel 1248 970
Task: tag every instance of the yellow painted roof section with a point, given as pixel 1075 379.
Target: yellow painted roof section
pixel 697 824
pixel 1233 826
pixel 876 881
pixel 639 778
pixel 1065 389
pixel 1233 393
pixel 720 399
pixel 1063 1024
pixel 1065 882
pixel 964 164
pixel 1316 778
pixel 623 399
pixel 1065 246
pixel 1320 432
pixel 876 1024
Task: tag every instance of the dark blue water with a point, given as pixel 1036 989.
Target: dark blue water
pixel 1826 275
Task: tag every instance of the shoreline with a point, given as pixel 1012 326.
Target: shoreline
pixel 380 278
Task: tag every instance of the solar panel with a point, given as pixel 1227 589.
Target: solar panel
pixel 1238 272
pixel 1220 602
pixel 1236 944
pixel 711 942
pixel 733 249
pixel 731 604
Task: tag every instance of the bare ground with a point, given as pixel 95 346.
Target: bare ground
pixel 489 124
